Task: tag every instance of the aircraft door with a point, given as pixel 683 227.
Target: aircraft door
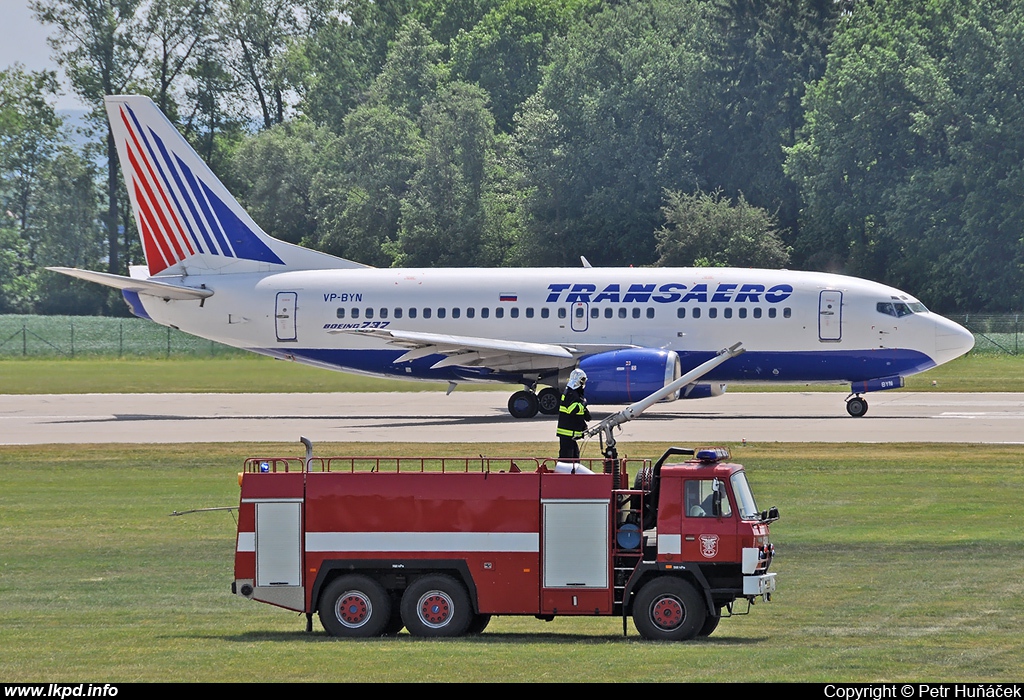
pixel 285 316
pixel 579 316
pixel 830 316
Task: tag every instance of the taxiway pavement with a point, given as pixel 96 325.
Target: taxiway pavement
pixel 430 416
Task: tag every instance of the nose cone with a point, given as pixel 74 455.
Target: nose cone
pixel 951 340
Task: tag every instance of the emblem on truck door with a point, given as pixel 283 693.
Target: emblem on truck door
pixel 709 546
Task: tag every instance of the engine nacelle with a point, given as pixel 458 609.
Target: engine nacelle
pixel 625 376
pixel 701 391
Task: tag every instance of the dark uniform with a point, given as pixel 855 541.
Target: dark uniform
pixel 573 415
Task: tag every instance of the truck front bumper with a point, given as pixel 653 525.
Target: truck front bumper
pixel 763 585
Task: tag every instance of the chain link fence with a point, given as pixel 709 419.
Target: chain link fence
pixel 99 336
pixel 77 336
pixel 994 334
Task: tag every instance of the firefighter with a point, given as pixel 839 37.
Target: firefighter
pixel 572 416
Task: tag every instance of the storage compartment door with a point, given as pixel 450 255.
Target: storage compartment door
pixel 278 544
pixel 576 543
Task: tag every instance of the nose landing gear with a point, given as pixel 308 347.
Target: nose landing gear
pixel 856 406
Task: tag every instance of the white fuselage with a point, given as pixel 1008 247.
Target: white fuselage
pixel 795 326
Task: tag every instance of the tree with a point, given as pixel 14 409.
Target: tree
pixel 101 45
pixel 706 229
pixel 620 116
pixel 505 52
pixel 443 214
pixel 909 163
pixel 275 170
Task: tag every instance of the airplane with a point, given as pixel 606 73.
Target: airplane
pixel 211 271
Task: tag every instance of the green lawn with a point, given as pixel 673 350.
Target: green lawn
pixel 900 563
pixel 253 373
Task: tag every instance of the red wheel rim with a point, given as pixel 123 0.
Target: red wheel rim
pixel 435 609
pixel 667 612
pixel 353 609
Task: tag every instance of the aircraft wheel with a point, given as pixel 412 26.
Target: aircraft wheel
pixel 857 407
pixel 548 401
pixel 523 404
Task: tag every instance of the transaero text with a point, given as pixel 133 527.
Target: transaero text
pixel 670 293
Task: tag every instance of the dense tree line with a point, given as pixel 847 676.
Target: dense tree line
pixel 882 139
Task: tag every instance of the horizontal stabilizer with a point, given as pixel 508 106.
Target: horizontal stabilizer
pixel 149 287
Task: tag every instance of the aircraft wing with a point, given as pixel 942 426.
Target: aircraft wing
pixel 493 353
pixel 149 287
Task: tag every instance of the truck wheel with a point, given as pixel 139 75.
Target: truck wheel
pixel 436 606
pixel 355 606
pixel 669 609
pixel 710 623
pixel 479 623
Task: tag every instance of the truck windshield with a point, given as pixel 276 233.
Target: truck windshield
pixel 744 498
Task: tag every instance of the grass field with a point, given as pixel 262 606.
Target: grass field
pixel 895 563
pixel 247 373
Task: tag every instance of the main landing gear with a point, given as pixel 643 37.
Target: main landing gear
pixel 856 406
pixel 526 404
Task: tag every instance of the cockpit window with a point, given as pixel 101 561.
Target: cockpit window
pixel 899 309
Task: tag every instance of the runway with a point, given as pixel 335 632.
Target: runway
pixel 896 416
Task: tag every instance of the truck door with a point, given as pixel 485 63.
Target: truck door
pixel 284 316
pixel 708 536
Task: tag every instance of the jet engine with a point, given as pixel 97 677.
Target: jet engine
pixel 625 376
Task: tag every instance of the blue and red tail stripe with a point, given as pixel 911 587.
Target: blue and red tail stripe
pixel 161 182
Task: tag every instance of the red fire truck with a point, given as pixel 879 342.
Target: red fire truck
pixel 438 546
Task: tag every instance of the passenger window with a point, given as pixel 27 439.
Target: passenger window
pixel 595 312
pixel 441 312
pixel 398 312
pixel 499 312
pixel 355 313
pixel 622 312
pixel 412 312
pixel 369 313
pixel 561 312
pixel 545 312
pixel 579 312
pixel 650 312
pixel 514 312
pixel 383 313
pixel 426 313
pixel 470 312
pixel 757 312
pixel 696 312
pixel 608 312
pixel 713 312
pixel 529 312
pixel 727 312
pixel 743 312
pixel 456 312
pixel 771 312
pixel 341 313
pixel 787 312
pixel 681 312
pixel 485 312
pixel 636 312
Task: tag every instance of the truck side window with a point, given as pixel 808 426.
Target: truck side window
pixel 700 496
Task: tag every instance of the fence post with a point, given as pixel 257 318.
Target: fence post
pixel 120 339
pixel 168 342
pixel 72 338
pixel 24 340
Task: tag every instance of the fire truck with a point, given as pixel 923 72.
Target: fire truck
pixel 438 546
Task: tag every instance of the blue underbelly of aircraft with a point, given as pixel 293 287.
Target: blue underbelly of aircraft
pixel 823 366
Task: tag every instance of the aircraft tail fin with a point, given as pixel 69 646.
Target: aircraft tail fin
pixel 188 221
